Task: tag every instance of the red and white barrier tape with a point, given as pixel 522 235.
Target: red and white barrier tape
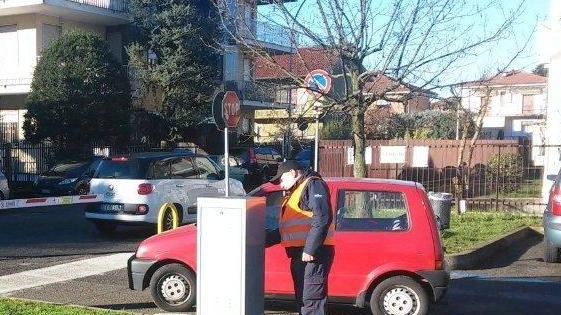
pixel 48 201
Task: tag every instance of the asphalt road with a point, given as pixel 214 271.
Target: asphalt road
pixel 516 282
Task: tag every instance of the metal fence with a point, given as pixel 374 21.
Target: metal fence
pixel 22 162
pixel 503 174
pixel 113 5
pixel 121 6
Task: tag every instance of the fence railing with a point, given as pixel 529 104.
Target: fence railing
pixel 121 6
pixel 502 173
pixel 13 81
pixel 23 162
pixel 276 34
pixel 113 5
pixel 256 92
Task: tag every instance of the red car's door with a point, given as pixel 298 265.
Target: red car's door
pixel 373 230
pixel 277 265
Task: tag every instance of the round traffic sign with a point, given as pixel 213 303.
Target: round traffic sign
pixel 318 82
pixel 231 109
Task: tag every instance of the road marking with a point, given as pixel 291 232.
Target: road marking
pixel 63 272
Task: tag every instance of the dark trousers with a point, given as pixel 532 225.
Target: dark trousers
pixel 310 279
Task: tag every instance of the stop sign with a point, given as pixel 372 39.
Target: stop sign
pixel 231 109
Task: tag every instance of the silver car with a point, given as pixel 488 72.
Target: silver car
pixel 552 223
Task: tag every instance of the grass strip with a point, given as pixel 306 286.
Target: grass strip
pixel 469 230
pixel 10 306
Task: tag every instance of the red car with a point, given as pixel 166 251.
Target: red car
pixel 388 253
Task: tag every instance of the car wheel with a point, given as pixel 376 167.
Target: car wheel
pixel 550 253
pixel 399 295
pixel 173 288
pixel 167 223
pixel 105 227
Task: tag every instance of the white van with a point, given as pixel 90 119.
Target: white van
pixel 135 187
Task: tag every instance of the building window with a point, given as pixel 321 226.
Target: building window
pixel 9 57
pixel 282 96
pixel 8 132
pixel 502 95
pixel 247 73
pixel 527 104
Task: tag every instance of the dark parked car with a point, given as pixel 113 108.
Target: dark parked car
pixel 304 158
pixel 260 162
pixel 236 171
pixel 66 178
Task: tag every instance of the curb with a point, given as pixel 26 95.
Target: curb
pixel 472 259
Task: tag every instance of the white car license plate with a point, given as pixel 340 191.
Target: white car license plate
pixel 108 207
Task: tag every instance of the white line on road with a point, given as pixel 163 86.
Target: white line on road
pixel 63 272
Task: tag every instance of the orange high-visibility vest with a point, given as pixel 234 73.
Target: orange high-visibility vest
pixel 296 222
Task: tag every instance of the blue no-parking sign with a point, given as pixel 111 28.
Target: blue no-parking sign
pixel 318 82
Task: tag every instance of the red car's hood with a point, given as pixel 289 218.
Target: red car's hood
pixel 173 241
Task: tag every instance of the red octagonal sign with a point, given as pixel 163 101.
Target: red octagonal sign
pixel 231 109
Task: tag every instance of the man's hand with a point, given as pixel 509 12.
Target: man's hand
pixel 307 257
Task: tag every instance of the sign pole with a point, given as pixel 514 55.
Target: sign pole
pixel 316 142
pixel 226 163
pixel 318 83
pixel 226 112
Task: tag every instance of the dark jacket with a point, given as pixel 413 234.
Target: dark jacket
pixel 315 198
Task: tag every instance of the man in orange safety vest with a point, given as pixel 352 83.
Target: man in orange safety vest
pixel 306 231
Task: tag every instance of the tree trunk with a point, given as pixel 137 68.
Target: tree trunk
pixel 359 142
pixel 461 181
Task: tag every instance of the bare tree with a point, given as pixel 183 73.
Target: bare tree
pixel 410 41
pixel 465 153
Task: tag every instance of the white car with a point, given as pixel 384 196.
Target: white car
pixel 4 189
pixel 134 188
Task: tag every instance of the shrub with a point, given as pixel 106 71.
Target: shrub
pixel 336 130
pixel 80 94
pixel 505 170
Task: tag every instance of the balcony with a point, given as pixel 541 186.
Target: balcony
pixel 101 12
pixel 530 111
pixel 15 84
pixel 273 38
pixel 277 36
pixel 254 92
pixel 253 95
pixel 121 6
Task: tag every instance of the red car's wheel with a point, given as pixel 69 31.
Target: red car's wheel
pixel 399 296
pixel 173 288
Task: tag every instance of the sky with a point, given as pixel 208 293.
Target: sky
pixel 485 61
pixel 535 11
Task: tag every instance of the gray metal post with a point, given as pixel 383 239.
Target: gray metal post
pixel 316 142
pixel 226 163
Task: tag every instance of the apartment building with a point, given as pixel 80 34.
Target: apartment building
pixel 549 41
pixel 239 64
pixel 517 108
pixel 28 26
